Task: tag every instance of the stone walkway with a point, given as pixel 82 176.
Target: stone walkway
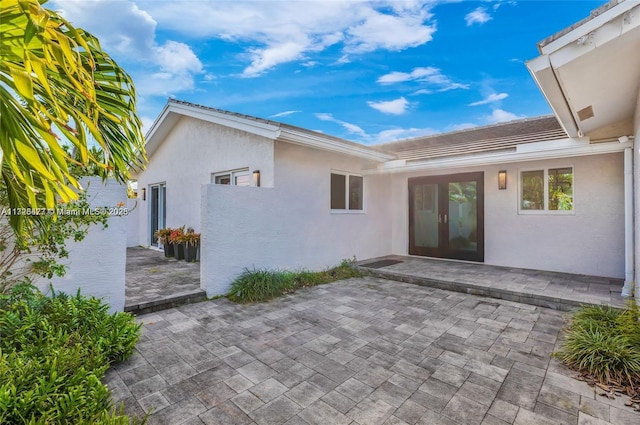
pixel 154 282
pixel 356 352
pixel 560 291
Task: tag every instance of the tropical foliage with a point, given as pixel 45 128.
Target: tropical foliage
pixel 54 352
pixel 604 343
pixel 58 87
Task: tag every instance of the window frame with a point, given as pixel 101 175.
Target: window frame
pixel 233 174
pixel 347 209
pixel 545 179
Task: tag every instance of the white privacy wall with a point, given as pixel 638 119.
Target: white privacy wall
pixel 290 226
pixel 590 241
pixel 132 221
pixel 97 264
pixel 185 160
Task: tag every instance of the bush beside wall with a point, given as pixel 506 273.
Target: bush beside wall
pixel 53 354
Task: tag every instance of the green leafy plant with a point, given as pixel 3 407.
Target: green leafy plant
pixel 604 343
pixel 258 285
pixel 53 354
pixel 55 78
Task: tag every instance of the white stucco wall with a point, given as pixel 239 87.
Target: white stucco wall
pixel 591 241
pixel 96 265
pixel 291 225
pixel 636 197
pixel 132 221
pixel 185 160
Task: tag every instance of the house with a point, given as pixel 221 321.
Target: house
pixel 551 193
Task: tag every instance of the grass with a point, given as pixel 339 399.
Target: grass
pixel 603 343
pixel 257 285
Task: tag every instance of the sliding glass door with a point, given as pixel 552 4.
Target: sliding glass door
pixel 157 211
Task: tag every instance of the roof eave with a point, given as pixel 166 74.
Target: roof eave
pixel 318 141
pixel 613 10
pixel 543 74
pixel 544 151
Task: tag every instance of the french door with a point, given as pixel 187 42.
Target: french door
pixel 157 211
pixel 446 216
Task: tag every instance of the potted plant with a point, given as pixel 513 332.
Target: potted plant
pixel 174 239
pixel 162 235
pixel 191 241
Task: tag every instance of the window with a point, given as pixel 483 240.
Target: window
pixel 546 190
pixel 236 177
pixel 346 192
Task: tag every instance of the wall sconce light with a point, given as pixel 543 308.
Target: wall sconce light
pixel 256 178
pixel 144 194
pixel 502 179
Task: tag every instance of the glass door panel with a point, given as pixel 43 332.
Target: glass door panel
pixel 157 213
pixel 425 215
pixel 463 216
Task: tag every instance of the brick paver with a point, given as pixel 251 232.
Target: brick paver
pixel 361 351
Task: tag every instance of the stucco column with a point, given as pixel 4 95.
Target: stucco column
pixel 636 209
pixel 636 197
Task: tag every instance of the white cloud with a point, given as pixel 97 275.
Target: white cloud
pixel 390 32
pixel 177 58
pixel 402 133
pixel 478 16
pixel 392 107
pixel 500 115
pixel 429 75
pixel 351 128
pixel 461 126
pixel 283 114
pixel 129 32
pixel 381 137
pixel 493 97
pixel 285 31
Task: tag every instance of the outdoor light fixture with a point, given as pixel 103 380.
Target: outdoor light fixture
pixel 144 194
pixel 256 178
pixel 502 179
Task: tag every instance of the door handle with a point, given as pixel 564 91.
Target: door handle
pixel 440 218
pixel 445 219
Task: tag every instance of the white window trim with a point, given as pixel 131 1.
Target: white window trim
pixel 346 182
pixel 232 175
pixel 546 210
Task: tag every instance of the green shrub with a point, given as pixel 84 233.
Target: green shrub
pixel 604 342
pixel 262 284
pixel 53 354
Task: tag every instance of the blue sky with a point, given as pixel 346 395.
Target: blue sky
pixel 367 71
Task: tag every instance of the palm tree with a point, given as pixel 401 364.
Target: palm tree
pixel 57 88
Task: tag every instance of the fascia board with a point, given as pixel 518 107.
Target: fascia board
pixel 504 158
pixel 237 122
pixel 324 143
pixel 542 72
pixel 589 26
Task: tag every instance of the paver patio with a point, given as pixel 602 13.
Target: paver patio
pixel 560 291
pixel 154 282
pixel 361 351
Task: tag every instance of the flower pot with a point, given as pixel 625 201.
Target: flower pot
pixel 190 252
pixel 169 250
pixel 179 250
